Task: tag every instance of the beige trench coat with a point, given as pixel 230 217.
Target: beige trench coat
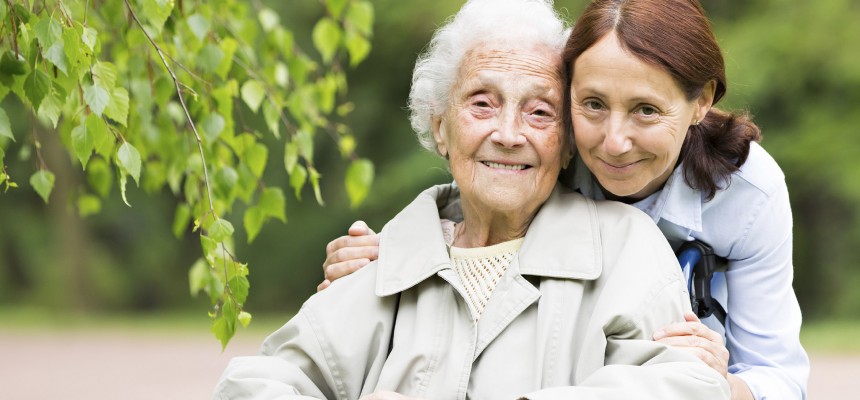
pixel 572 318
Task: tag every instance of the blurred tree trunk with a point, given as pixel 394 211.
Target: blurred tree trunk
pixel 71 233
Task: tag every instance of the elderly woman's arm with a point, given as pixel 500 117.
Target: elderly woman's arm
pixel 639 368
pixel 304 359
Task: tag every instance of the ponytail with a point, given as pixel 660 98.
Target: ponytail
pixel 716 148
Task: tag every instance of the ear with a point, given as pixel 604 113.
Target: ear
pixel 705 101
pixel 439 136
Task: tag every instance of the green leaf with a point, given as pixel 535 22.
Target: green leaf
pixel 157 12
pixel 272 117
pixel 104 74
pixel 89 205
pixel 209 247
pixel 72 48
pixel 282 75
pixel 359 177
pixel 255 157
pixel 239 286
pixel 244 319
pixel 315 183
pixel 212 127
pixel 89 36
pixel 253 94
pixel 297 179
pixel 99 176
pixel 209 59
pixel 335 7
pixel 291 156
pixel 102 139
pixel 305 141
pixel 181 219
pixel 117 109
pixel 221 230
pixel 82 142
pixel 268 19
pixel 123 181
pixel 129 160
pixel 224 327
pixel 97 98
pixel 225 181
pixel 43 182
pixel 273 203
pixel 11 65
pixel 5 126
pixel 358 49
pixel 36 87
pixel 326 37
pixel 198 277
pixel 360 15
pixel 50 109
pixel 49 32
pixel 346 144
pixel 253 219
pixel 228 48
pixel 199 26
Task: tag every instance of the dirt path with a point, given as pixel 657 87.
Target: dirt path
pixel 104 365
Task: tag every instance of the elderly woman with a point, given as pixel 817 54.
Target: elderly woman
pixel 525 289
pixel 644 77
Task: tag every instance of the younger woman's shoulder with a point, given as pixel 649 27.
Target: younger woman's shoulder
pixel 760 171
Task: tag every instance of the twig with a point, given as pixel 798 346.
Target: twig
pixel 182 102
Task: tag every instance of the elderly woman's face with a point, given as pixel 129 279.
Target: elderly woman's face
pixel 503 129
pixel 629 119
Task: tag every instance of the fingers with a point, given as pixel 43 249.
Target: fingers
pixel 688 328
pixel 697 339
pixel 347 254
pixel 339 270
pixel 359 228
pixel 335 254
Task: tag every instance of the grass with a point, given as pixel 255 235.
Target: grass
pixel 185 322
pixel 831 337
pixel 819 337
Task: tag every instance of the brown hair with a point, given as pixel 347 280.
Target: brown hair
pixel 675 35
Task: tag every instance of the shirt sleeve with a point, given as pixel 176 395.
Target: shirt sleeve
pixel 763 322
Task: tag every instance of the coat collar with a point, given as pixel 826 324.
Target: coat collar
pixel 563 240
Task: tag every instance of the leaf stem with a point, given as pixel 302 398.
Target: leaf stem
pixel 181 101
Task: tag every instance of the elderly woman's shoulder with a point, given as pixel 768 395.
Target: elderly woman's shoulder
pixel 357 287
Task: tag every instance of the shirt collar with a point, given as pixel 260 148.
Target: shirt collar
pixel 563 241
pixel 677 202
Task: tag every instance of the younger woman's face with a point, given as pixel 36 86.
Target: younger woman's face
pixel 629 119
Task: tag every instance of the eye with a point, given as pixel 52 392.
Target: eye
pixel 593 105
pixel 542 113
pixel 648 111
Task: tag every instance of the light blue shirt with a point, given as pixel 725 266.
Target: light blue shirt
pixel 749 223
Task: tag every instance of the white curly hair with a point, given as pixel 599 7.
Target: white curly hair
pixel 524 22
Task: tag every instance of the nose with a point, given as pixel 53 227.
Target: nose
pixel 616 140
pixel 508 132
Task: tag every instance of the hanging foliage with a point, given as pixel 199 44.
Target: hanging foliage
pixel 144 93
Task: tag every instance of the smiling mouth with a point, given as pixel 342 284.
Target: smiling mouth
pixel 620 166
pixel 511 167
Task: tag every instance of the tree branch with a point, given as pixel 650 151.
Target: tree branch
pixel 182 102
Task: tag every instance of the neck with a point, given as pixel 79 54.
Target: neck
pixel 481 228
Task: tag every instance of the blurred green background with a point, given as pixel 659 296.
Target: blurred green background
pixel 794 65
